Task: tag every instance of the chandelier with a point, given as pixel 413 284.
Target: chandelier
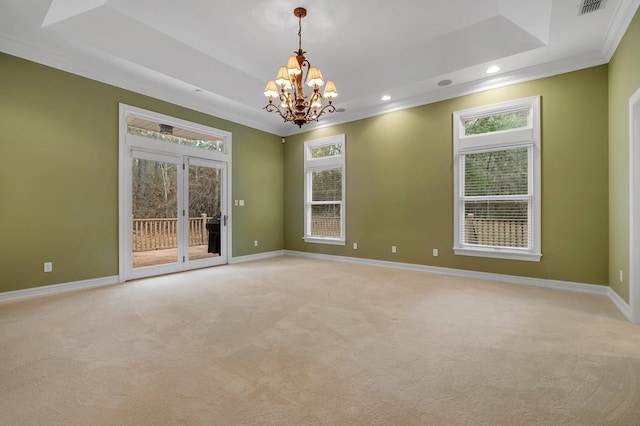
pixel 296 107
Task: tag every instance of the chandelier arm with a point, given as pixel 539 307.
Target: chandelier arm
pixel 307 64
pixel 273 108
pixel 328 108
pixel 314 115
pixel 311 111
pixel 285 98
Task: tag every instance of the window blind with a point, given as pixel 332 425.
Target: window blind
pixel 496 199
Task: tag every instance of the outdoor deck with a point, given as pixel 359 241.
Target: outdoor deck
pixel 168 255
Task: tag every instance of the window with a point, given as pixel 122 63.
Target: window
pixel 174 134
pixel 497 180
pixel 324 171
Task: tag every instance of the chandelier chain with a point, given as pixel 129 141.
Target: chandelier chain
pixel 300 32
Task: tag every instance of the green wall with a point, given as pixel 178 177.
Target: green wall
pixel 58 186
pixel 624 80
pixel 59 176
pixel 399 188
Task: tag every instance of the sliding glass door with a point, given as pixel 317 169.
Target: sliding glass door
pixel 205 212
pixel 178 213
pixel 154 210
pixel 174 195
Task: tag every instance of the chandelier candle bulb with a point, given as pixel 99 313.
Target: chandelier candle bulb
pixel 296 107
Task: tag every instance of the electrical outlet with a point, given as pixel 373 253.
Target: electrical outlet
pixel 621 276
pixel 255 243
pixel 48 266
pixel 235 202
pixel 393 249
pixel 355 246
pixel 435 252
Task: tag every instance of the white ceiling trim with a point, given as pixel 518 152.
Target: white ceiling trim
pixel 619 24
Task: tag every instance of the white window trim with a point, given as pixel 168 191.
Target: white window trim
pixel 312 164
pixel 527 136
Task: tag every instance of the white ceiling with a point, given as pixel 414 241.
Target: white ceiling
pixel 216 56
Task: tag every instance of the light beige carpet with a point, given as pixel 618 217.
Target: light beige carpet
pixel 294 341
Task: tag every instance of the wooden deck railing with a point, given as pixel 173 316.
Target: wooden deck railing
pixel 155 234
pixel 326 226
pixel 492 232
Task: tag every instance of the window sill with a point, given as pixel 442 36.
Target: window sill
pixel 498 254
pixel 320 240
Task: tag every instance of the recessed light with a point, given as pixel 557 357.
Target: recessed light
pixel 444 82
pixel 385 98
pixel 493 69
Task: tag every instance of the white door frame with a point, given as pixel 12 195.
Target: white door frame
pixel 145 144
pixel 634 207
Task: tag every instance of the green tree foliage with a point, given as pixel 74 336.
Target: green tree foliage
pixel 204 191
pixel 326 150
pixel 326 185
pixel 154 189
pixel 494 123
pixel 502 172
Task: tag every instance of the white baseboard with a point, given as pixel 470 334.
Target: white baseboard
pixel 258 256
pixel 620 303
pixel 99 282
pixel 58 288
pixel 509 279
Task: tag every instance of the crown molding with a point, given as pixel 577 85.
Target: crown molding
pixel 621 19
